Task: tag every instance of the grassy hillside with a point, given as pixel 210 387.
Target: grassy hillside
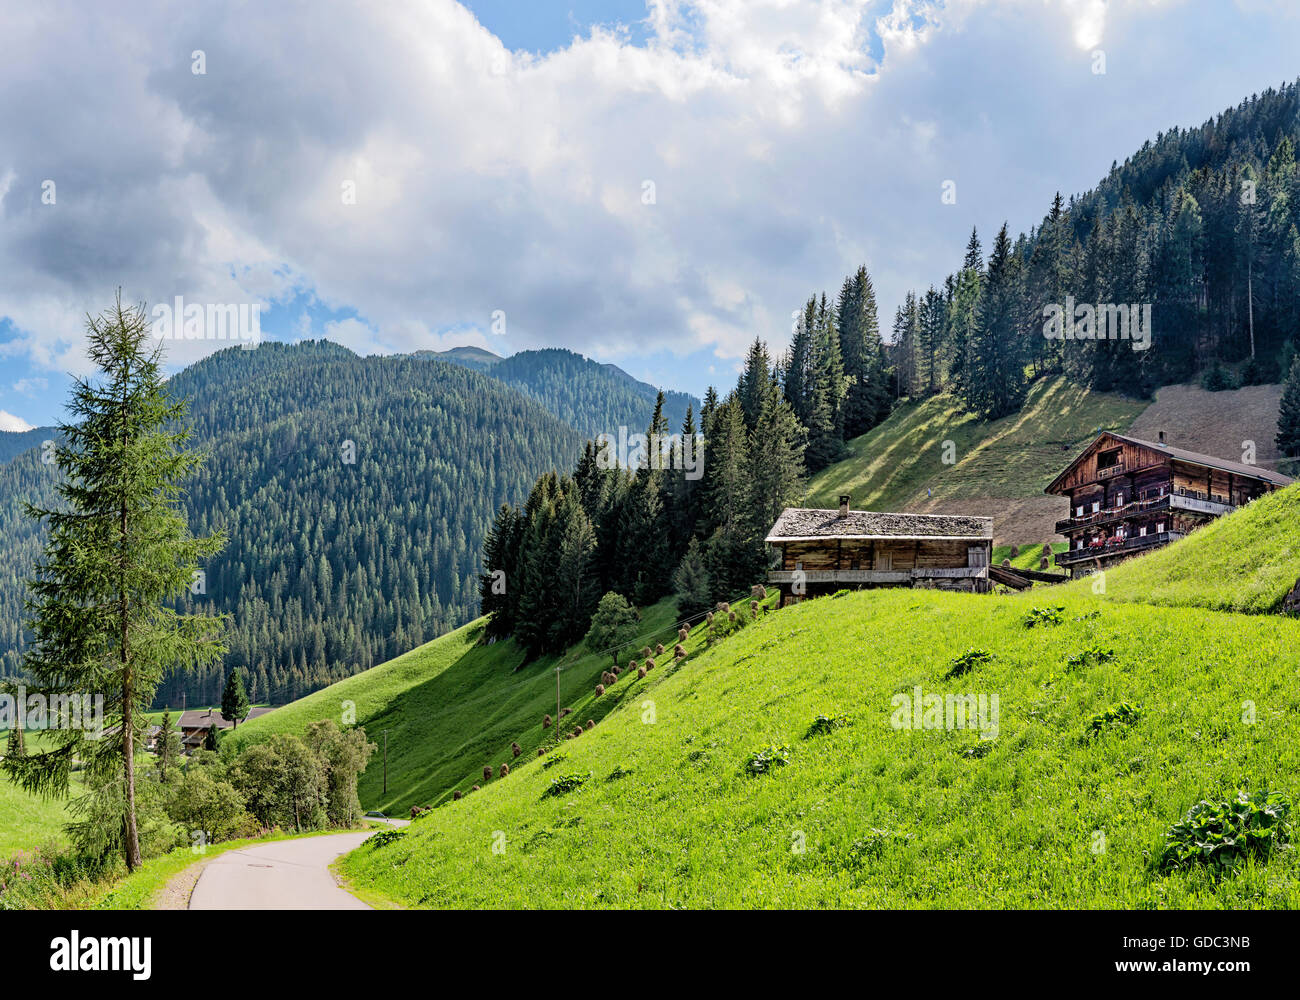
pixel 451 706
pixel 1246 561
pixel 1005 463
pixel 668 815
pixel 28 821
pixel 894 464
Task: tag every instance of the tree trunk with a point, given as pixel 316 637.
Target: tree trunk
pixel 132 838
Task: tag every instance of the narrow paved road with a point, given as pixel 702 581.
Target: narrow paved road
pixel 284 875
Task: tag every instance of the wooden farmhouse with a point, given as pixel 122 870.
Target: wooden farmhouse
pixel 821 551
pixel 1127 496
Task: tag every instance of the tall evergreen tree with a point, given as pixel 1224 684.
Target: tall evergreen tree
pixel 234 699
pixel 997 369
pixel 1288 420
pixel 115 557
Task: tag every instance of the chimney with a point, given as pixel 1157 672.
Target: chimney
pixel 1162 437
pixel 844 505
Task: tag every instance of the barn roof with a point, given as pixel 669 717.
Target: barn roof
pixel 799 524
pixel 1181 455
pixel 206 718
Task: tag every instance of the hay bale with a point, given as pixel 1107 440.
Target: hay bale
pixel 591 723
pixel 679 651
pixel 649 664
pixel 474 789
pixel 659 649
pixel 503 770
pixel 758 591
pixel 683 634
pixel 546 722
pixel 515 750
pixel 640 672
pixel 1006 563
pixel 600 690
pixel 487 772
pixel 455 796
pixel 1015 551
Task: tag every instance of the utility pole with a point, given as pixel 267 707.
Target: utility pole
pixel 385 761
pixel 557 699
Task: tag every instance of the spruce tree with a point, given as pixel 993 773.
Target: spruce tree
pixel 691 582
pixel 118 553
pixel 16 745
pixel 1288 420
pixel 234 699
pixel 169 746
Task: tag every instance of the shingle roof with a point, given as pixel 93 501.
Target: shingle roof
pixel 1209 461
pixel 804 523
pixel 206 718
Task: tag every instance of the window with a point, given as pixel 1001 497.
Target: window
pixel 1160 527
pixel 1107 459
pixel 1142 530
pixel 1119 499
pixel 1096 506
pixel 1078 511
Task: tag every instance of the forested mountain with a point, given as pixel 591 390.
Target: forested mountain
pixel 14 443
pixel 1200 224
pixel 592 397
pixel 356 494
pixel 469 357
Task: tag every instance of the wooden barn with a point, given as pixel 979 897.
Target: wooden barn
pixel 821 551
pixel 1127 495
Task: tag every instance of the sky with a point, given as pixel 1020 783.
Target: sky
pixel 651 184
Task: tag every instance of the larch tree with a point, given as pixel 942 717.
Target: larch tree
pixel 117 554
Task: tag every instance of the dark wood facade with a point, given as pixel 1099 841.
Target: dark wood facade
pixel 1127 496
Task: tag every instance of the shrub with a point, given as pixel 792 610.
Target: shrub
pixel 619 772
pixel 565 783
pixel 967 662
pixel 1044 616
pixel 1092 654
pixel 1220 835
pixel 383 838
pixel 824 724
pixel 554 759
pixel 765 760
pixel 1217 378
pixel 1114 717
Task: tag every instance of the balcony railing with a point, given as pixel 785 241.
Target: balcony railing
pixel 1114 514
pixel 779 576
pixel 1111 549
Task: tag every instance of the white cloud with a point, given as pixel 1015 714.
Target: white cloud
pixel 787 142
pixel 8 422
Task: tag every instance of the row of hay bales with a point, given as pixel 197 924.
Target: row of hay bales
pixel 1044 558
